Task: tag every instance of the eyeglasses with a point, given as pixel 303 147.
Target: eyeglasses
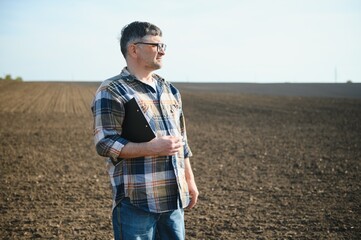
pixel 160 46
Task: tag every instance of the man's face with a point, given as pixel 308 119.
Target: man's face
pixel 150 56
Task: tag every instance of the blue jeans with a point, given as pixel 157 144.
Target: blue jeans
pixel 130 222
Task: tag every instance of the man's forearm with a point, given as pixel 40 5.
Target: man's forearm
pixel 188 170
pixel 162 146
pixel 134 150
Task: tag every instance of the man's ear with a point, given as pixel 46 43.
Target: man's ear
pixel 132 50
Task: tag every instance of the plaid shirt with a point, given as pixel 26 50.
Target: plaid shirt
pixel 154 183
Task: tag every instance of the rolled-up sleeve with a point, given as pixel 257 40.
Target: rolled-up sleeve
pixel 108 113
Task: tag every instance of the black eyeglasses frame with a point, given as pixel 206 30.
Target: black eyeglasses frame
pixel 160 46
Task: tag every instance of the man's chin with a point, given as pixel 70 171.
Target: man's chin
pixel 158 66
pixel 154 66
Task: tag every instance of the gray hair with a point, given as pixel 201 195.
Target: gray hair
pixel 136 31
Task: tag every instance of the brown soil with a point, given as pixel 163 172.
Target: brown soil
pixel 267 167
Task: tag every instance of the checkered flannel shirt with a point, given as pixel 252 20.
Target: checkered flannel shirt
pixel 154 183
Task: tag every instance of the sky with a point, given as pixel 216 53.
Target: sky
pixel 263 41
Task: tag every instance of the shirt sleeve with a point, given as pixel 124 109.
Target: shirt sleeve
pixel 108 113
pixel 187 150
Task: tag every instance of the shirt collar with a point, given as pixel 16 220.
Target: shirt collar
pixel 125 74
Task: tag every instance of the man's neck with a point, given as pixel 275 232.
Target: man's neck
pixel 141 75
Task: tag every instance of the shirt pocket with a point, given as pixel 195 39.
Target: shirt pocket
pixel 173 110
pixel 144 105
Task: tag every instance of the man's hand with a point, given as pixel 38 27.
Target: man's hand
pixel 162 146
pixel 166 145
pixel 193 192
pixel 192 187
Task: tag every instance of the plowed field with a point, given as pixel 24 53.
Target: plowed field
pixel 267 167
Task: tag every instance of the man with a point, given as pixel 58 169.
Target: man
pixel 152 181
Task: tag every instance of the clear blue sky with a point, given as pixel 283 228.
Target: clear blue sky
pixel 213 41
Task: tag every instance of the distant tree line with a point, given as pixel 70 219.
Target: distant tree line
pixel 9 78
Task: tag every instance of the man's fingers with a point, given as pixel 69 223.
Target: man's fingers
pixel 169 145
pixel 192 203
pixel 176 139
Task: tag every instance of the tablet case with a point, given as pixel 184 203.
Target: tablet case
pixel 135 126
